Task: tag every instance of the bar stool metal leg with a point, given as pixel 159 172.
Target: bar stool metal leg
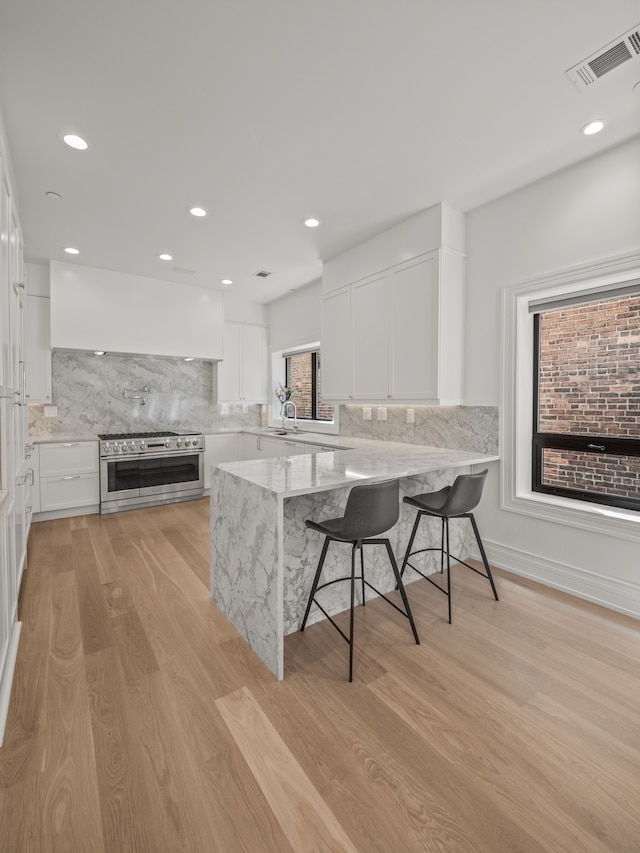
pixel 314 586
pixel 484 556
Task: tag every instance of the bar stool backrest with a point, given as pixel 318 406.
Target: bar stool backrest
pixel 464 495
pixel 371 509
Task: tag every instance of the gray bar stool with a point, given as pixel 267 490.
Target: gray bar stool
pixel 454 501
pixel 371 510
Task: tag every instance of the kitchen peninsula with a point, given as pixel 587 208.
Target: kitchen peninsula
pixel 262 555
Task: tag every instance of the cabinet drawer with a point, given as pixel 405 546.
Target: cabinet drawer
pixel 70 490
pixel 74 457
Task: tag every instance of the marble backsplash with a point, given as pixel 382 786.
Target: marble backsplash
pixel 88 391
pixel 455 427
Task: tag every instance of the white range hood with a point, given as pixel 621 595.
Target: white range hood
pixel 95 309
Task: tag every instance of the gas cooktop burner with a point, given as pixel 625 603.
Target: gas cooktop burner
pixel 118 436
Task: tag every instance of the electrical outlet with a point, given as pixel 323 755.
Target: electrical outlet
pixel 411 416
pixel 366 413
pixel 51 411
pixel 382 413
pixel 245 408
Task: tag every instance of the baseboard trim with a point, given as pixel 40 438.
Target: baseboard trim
pixel 6 678
pixel 621 596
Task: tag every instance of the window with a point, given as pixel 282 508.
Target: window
pixel 303 376
pixel 586 397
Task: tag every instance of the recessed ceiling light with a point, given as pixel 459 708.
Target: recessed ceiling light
pixel 226 281
pixel 592 127
pixel 189 358
pixel 165 257
pixel 75 141
pixel 197 211
pixel 71 251
pixel 312 222
pixel 52 195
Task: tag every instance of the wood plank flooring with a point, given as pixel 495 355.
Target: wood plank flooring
pixel 140 721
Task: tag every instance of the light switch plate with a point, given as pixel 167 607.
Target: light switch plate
pixel 245 408
pixel 51 411
pixel 366 413
pixel 382 413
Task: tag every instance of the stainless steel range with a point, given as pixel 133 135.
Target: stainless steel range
pixel 149 468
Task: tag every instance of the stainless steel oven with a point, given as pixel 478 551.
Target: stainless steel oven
pixel 148 469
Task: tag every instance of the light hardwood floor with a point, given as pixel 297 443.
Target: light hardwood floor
pixel 140 721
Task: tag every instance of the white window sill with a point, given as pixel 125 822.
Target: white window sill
pixel 599 518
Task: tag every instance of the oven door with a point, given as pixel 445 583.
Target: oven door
pixel 164 474
pixel 119 478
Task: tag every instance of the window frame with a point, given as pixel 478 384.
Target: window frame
pixel 516 421
pixel 278 377
pixel 597 444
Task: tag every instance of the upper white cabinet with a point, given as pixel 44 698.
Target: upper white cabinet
pixel 396 332
pixel 38 349
pixel 337 346
pixel 131 314
pixel 242 375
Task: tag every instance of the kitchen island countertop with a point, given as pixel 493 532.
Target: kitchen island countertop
pixel 262 555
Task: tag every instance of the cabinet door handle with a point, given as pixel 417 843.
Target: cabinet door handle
pixel 71 444
pixel 71 477
pixel 595 447
pixel 291 443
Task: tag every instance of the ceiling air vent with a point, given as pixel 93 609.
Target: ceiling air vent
pixel 591 69
pixel 184 271
pixel 263 274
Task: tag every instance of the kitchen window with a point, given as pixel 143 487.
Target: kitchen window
pixel 527 429
pixel 586 398
pixel 303 375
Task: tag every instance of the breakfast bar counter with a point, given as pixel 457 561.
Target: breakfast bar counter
pixel 263 556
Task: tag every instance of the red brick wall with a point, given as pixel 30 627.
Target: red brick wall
pixel 299 380
pixel 590 384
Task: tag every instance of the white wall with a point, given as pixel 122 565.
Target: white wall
pixel 239 311
pixel 296 318
pixel 585 213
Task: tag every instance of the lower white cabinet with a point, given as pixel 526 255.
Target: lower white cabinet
pixel 222 447
pixel 69 475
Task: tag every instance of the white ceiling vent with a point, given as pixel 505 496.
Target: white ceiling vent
pixel 589 71
pixel 263 274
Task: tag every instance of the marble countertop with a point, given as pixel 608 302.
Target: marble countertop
pixel 367 461
pixel 43 438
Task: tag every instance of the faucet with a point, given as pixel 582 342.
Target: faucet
pixel 283 414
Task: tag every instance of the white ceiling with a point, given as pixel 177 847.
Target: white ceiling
pixel 359 112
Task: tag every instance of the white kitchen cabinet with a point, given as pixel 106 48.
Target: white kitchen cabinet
pixel 221 447
pixel 38 349
pixel 370 336
pixel 33 458
pixel 337 346
pixel 403 339
pixel 242 375
pixel 69 477
pixel 13 429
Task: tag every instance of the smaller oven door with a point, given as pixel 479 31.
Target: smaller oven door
pixel 164 474
pixel 119 478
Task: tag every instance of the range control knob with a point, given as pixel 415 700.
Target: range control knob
pixel 179 443
pixel 195 442
pixel 132 446
pixel 187 442
pixel 167 443
pixel 142 445
pixel 116 447
pixel 107 448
